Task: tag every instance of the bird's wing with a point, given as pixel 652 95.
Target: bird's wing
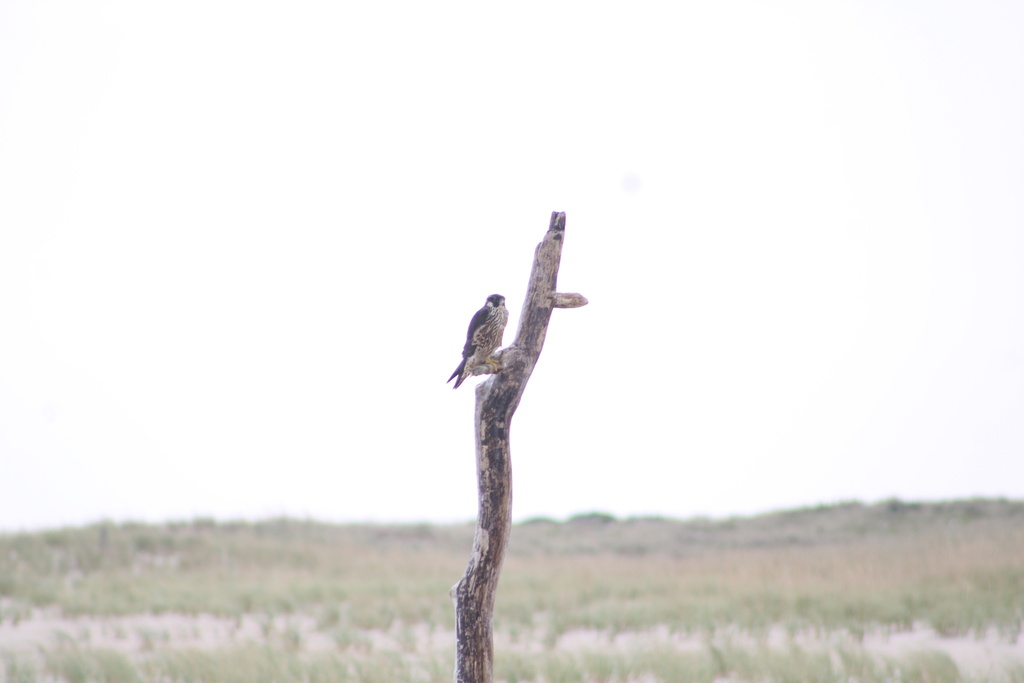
pixel 474 327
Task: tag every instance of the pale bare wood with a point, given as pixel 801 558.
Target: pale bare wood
pixel 496 401
pixel 568 300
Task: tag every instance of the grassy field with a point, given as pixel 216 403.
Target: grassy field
pixel 818 594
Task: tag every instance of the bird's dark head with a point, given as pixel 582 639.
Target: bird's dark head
pixel 495 300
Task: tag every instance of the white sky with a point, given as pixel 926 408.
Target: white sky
pixel 240 243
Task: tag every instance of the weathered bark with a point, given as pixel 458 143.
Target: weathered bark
pixel 496 401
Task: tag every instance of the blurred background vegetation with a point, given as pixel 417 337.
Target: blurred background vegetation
pixel 852 569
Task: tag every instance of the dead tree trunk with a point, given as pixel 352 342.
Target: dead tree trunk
pixel 496 402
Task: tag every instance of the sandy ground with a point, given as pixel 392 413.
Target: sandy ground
pixel 146 633
pixel 970 653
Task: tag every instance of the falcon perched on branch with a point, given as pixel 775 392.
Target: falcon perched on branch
pixel 484 337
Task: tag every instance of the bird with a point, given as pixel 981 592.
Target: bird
pixel 484 337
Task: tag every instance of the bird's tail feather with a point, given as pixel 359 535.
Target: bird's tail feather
pixel 457 375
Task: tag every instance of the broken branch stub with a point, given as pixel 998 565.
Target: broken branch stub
pixel 568 300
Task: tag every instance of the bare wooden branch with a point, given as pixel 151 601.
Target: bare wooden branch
pixel 496 401
pixel 568 300
pixel 487 369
